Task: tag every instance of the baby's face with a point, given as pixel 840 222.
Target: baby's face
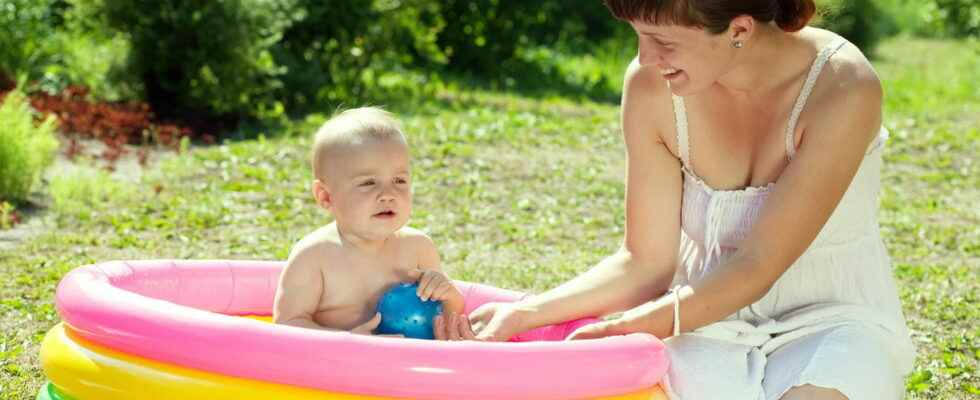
pixel 371 189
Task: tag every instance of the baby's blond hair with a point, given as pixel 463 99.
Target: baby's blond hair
pixel 352 128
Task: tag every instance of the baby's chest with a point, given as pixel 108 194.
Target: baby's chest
pixel 359 287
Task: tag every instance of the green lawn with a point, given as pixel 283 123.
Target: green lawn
pixel 522 193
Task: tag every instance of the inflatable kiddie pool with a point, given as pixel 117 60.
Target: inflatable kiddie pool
pixel 161 329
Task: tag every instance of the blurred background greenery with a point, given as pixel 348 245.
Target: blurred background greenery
pixel 261 60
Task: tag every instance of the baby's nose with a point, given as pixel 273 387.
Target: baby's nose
pixel 386 197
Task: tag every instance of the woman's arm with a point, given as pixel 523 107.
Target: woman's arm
pixel 802 201
pixel 645 265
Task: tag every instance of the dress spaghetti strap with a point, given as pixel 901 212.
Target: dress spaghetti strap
pixel 811 79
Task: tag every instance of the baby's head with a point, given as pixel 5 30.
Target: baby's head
pixel 361 171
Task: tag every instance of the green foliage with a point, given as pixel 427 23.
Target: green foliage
pixel 951 18
pixel 25 26
pixel 209 56
pixel 348 51
pixel 270 60
pixel 95 60
pixel 6 215
pixel 863 22
pixel 484 35
pixel 934 18
pixel 27 147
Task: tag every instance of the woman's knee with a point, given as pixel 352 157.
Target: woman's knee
pixel 810 392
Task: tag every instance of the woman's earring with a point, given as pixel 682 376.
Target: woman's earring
pixel 737 44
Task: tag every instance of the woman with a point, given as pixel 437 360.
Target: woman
pixel 753 158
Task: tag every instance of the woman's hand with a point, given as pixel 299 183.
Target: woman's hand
pixel 598 330
pixel 642 318
pixel 498 322
pixel 452 326
pixel 492 322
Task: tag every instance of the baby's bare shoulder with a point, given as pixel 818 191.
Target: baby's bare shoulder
pixel 312 249
pixel 414 238
pixel 418 246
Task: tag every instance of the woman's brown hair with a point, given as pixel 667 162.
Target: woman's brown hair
pixel 715 15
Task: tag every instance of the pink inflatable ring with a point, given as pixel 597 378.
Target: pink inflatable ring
pixel 186 314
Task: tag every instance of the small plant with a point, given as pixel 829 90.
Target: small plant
pixel 28 147
pixel 8 215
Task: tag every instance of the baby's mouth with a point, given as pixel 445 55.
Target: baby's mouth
pixel 385 214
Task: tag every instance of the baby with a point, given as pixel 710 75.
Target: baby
pixel 335 275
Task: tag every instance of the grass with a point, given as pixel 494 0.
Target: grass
pixel 521 193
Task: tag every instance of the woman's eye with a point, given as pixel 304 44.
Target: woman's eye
pixel 661 43
pixel 366 183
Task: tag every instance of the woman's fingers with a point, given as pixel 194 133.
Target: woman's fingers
pixel 479 317
pixel 439 328
pixel 493 330
pixel 451 326
pixel 592 331
pixel 465 331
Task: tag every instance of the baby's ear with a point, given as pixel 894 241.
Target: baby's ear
pixel 321 193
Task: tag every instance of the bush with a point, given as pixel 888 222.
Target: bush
pixel 347 51
pixel 24 26
pixel 863 22
pixel 208 57
pixel 27 147
pixel 951 18
pixel 8 215
pixel 92 60
pixel 484 34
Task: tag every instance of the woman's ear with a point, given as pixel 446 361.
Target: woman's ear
pixel 321 193
pixel 741 28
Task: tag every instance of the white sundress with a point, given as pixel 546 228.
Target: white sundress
pixel 833 319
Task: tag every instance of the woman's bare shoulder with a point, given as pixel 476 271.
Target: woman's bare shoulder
pixel 848 84
pixel 846 73
pixel 644 82
pixel 647 100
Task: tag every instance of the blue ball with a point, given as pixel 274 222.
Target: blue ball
pixel 403 312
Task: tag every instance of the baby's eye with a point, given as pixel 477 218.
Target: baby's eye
pixel 366 183
pixel 401 181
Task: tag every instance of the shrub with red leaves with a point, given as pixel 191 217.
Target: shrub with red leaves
pixel 114 124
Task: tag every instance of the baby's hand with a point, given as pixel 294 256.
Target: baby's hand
pixel 368 327
pixel 435 285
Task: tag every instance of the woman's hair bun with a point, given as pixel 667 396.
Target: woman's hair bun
pixel 793 15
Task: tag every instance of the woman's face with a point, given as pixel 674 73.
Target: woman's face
pixel 691 59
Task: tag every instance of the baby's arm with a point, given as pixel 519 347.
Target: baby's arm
pixel 433 283
pixel 300 289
